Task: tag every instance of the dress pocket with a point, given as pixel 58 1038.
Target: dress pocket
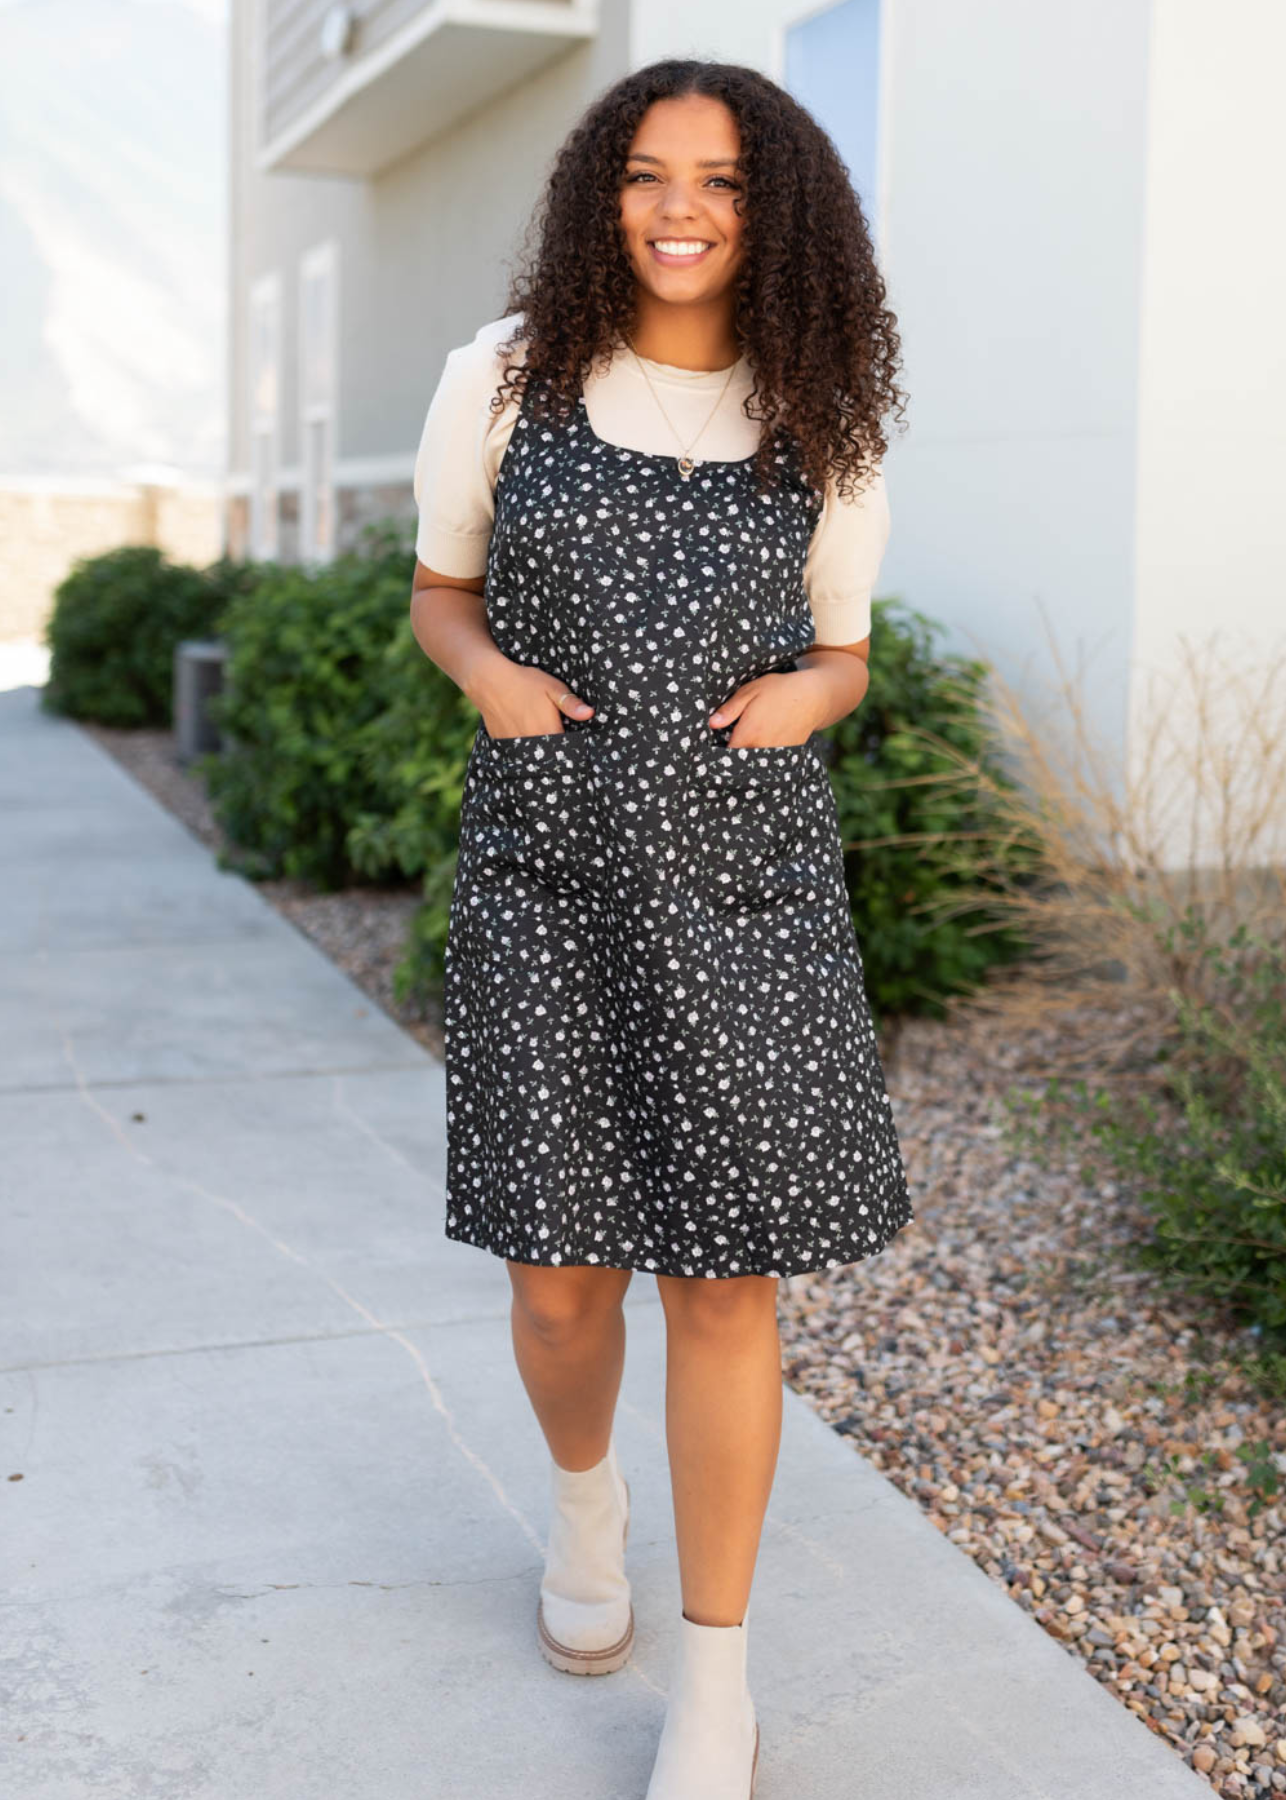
pixel 750 821
pixel 735 765
pixel 572 728
pixel 535 809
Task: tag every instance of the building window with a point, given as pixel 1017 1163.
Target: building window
pixel 264 367
pixel 318 380
pixel 831 64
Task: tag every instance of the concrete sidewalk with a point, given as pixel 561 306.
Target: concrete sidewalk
pixel 282 1505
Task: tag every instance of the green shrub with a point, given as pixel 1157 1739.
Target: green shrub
pixel 414 752
pixel 306 675
pixel 923 843
pixel 233 577
pixel 112 633
pixel 1206 1157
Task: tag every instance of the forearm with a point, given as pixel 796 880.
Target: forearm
pixel 450 626
pixel 840 677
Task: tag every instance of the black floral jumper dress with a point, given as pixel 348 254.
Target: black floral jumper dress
pixel 659 1050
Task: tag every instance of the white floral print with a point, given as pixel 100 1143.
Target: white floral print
pixel 659 1050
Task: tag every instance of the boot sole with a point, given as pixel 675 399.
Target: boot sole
pixel 588 1662
pixel 585 1662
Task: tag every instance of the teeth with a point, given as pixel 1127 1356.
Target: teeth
pixel 681 247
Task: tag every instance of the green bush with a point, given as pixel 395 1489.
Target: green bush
pixel 922 940
pixel 231 578
pixel 414 752
pixel 307 674
pixel 112 633
pixel 1206 1157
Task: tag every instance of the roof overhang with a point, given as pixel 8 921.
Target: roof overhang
pixel 452 57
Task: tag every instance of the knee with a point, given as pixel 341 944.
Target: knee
pixel 559 1311
pixel 727 1307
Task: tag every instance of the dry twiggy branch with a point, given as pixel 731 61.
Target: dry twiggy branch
pixel 1193 826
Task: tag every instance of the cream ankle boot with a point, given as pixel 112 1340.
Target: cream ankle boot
pixel 585 1620
pixel 709 1748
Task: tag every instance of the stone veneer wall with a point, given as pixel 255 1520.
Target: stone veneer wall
pixel 44 529
pixel 359 506
pixel 355 507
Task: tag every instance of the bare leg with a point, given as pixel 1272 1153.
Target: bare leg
pixel 723 1407
pixel 569 1343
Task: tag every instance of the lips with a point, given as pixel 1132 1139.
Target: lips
pixel 671 261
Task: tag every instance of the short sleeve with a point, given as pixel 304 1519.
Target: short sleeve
pixel 456 462
pixel 843 561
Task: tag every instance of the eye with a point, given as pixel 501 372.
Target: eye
pixel 647 175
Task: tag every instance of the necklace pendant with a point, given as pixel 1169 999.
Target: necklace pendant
pixel 686 466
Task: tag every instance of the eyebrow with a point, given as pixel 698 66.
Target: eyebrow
pixel 709 162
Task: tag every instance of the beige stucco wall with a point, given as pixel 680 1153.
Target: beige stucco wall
pixel 45 528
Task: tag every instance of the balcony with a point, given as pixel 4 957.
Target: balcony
pixel 347 89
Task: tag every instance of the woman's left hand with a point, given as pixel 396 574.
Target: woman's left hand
pixel 788 705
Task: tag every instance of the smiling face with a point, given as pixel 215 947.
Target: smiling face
pixel 680 192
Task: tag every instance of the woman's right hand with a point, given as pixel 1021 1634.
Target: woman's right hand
pixel 516 700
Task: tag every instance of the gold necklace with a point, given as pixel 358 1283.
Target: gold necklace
pixel 685 462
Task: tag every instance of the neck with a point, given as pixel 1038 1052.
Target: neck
pixel 698 336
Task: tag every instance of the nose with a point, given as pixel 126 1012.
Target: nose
pixel 676 202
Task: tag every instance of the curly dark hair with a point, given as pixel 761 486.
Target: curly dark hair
pixel 810 311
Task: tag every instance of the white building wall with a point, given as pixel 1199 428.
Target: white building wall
pixel 1015 172
pixel 445 227
pixel 1210 562
pixel 421 256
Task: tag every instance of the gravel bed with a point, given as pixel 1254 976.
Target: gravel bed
pixel 1047 1408
pixel 1068 1425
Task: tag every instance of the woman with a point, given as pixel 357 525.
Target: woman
pixel 651 512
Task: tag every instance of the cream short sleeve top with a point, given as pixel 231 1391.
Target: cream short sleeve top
pixel 462 443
